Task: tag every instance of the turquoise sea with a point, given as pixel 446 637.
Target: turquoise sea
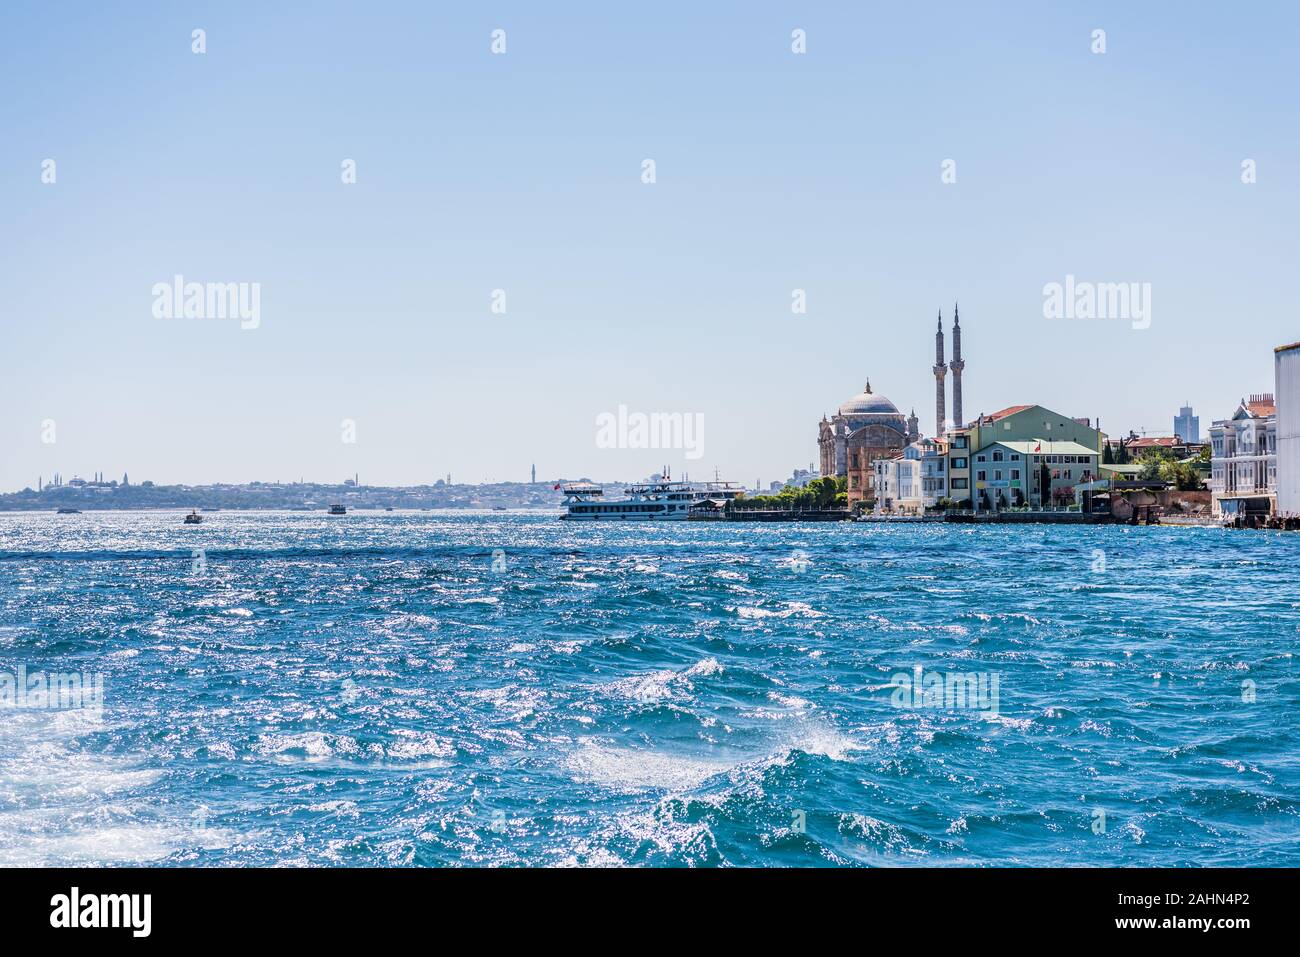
pixel 434 689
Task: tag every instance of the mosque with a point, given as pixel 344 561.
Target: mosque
pixel 868 426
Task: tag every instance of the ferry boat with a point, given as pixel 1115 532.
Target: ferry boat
pixel 338 510
pixel 663 500
pixel 193 518
pixel 69 511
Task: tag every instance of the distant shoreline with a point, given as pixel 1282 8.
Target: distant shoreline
pixel 324 510
pixel 261 496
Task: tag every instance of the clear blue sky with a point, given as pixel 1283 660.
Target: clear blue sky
pixel 522 172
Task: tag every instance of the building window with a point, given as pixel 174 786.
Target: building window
pixel 979 458
pixel 959 483
pixel 959 463
pixel 1015 474
pixel 997 456
pixel 979 476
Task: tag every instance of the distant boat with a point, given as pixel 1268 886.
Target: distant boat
pixel 389 509
pixel 69 511
pixel 338 510
pixel 193 518
pixel 498 508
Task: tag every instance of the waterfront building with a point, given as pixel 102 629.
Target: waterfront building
pixel 1049 453
pixel 885 476
pixel 867 427
pixel 1187 427
pixel 912 480
pixel 1034 473
pixel 934 470
pixel 1243 460
pixel 1286 369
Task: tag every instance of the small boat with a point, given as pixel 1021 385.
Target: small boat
pixel 69 511
pixel 498 508
pixel 338 510
pixel 388 509
pixel 193 518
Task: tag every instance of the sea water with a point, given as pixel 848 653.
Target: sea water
pixel 451 688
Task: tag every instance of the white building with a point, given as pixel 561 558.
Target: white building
pixel 913 480
pixel 801 477
pixel 884 481
pixel 1286 368
pixel 1243 460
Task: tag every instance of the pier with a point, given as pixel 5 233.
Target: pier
pixel 1009 517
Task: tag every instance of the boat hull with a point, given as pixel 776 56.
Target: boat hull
pixel 630 517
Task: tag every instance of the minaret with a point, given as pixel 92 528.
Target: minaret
pixel 956 366
pixel 534 473
pixel 913 428
pixel 940 372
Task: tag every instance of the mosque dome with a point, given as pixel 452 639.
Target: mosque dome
pixel 869 403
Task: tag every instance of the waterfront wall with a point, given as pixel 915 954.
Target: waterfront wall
pixel 1286 392
pixel 788 515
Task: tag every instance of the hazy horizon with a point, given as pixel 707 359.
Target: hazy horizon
pixel 522 171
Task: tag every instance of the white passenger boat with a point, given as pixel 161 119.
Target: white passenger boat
pixel 659 501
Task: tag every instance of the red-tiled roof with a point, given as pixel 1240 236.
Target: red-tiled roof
pixel 1151 441
pixel 1003 413
pixel 1261 408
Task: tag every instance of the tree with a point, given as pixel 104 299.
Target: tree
pixel 1107 458
pixel 1182 475
pixel 826 492
pixel 1149 470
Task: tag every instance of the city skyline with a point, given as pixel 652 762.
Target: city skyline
pixel 776 173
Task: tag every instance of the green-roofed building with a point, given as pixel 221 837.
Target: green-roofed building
pixel 1022 455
